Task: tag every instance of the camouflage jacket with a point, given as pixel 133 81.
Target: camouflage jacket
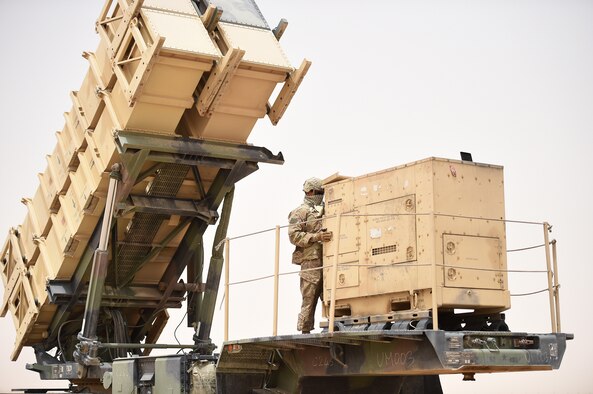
pixel 304 222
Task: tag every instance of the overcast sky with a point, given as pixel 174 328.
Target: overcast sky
pixel 391 82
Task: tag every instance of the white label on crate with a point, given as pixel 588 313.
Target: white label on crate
pixel 406 184
pixel 376 187
pixel 364 191
pixel 375 233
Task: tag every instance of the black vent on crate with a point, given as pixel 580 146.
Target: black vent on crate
pixel 384 250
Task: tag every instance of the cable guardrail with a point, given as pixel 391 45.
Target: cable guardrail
pixel 531 293
pixel 388 215
pixel 551 260
pixel 526 248
pixel 396 265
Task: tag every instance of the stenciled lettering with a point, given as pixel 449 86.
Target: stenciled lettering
pixel 321 361
pixel 395 359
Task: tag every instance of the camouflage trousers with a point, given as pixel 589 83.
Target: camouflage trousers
pixel 311 290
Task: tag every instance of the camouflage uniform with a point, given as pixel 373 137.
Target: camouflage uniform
pixel 304 223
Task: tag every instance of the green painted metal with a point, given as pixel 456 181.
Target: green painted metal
pixel 132 165
pixel 207 304
pixel 130 141
pixel 386 361
pixel 199 181
pixel 194 275
pixel 170 206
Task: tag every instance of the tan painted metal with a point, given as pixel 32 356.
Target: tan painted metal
pixel 401 225
pixel 435 283
pixel 288 91
pixel 19 297
pixel 556 286
pixel 219 81
pixel 227 263
pixel 276 280
pixel 147 75
pixel 89 95
pixel 75 126
pixel 550 275
pixel 237 93
pixel 334 271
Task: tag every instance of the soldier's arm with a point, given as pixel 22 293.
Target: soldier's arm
pixel 296 230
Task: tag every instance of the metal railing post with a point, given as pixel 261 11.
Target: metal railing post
pixel 227 253
pixel 276 277
pixel 549 269
pixel 435 304
pixel 332 305
pixel 556 285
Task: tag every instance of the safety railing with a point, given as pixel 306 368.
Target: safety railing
pixel 551 271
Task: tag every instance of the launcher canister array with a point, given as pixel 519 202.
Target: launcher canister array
pixel 171 95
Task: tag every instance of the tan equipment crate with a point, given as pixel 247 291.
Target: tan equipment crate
pixel 400 225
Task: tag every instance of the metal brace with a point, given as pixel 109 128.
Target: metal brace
pixel 336 352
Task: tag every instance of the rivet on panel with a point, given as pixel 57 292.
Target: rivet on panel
pixel 451 247
pixel 410 253
pixel 451 273
pixel 409 204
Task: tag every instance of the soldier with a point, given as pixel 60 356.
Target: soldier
pixel 306 233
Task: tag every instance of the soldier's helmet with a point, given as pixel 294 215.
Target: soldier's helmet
pixel 312 184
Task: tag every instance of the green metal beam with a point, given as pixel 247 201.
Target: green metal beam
pixel 132 165
pixel 170 206
pixel 214 270
pixel 131 141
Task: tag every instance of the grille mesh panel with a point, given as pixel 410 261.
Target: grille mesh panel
pixel 143 227
pixel 384 250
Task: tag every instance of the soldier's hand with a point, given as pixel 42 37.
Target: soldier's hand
pixel 326 236
pixel 323 236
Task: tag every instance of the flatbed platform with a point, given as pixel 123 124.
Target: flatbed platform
pixel 350 358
